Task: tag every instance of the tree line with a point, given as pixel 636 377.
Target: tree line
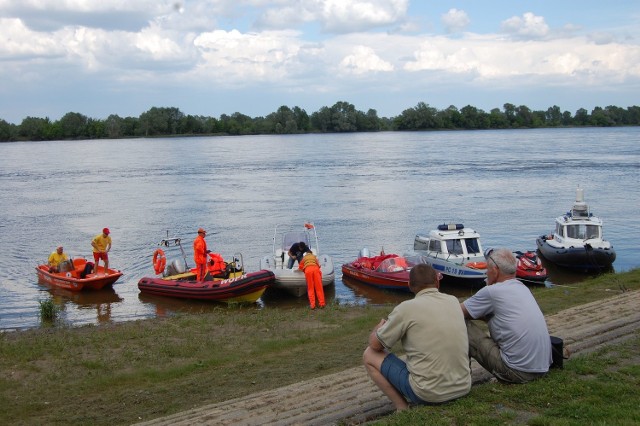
pixel 339 118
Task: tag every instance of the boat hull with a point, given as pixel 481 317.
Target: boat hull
pixel 583 258
pixel 456 273
pixel 247 287
pixel 398 281
pixel 293 280
pixel 71 280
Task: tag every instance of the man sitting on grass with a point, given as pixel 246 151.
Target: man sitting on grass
pixel 433 335
pixel 518 348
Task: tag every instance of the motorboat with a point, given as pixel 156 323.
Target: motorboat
pixel 577 241
pixel 530 268
pixel 77 274
pixel 384 271
pixel 455 251
pixel 224 281
pixel 293 280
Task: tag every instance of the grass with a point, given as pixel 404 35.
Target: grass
pixel 127 372
pixel 598 388
pixel 48 311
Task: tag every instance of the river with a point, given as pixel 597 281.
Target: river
pixel 374 190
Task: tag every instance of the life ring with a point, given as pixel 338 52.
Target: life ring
pixel 477 265
pixel 159 261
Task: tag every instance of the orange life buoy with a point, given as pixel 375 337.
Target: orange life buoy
pixel 477 265
pixel 159 261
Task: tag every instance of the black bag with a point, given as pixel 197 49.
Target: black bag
pixel 557 352
pixel 88 268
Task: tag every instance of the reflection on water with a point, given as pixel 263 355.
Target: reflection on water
pixel 508 185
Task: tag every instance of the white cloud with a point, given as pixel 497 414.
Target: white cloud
pixel 455 20
pixel 364 60
pixel 529 26
pixel 338 16
pixel 493 58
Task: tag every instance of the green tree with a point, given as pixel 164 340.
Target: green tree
pixel 553 116
pixel 34 129
pixel 74 125
pixel 8 131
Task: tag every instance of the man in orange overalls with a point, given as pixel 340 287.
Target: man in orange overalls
pixel 200 254
pixel 311 267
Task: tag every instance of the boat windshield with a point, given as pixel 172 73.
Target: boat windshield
pixel 583 231
pixel 294 237
pixel 456 246
pixel 393 264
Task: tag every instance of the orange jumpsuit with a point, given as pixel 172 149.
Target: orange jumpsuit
pixel 200 257
pixel 313 275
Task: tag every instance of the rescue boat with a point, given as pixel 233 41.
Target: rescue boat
pixel 577 241
pixel 385 271
pixel 455 251
pixel 293 280
pixel 72 276
pixel 224 282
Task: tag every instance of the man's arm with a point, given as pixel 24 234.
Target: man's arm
pixel 374 343
pixel 466 313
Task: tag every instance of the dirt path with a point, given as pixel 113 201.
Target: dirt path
pixel 349 397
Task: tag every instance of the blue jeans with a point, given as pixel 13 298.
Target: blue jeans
pixel 292 260
pixel 395 371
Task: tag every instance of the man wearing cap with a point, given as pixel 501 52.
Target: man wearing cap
pixel 200 254
pixel 517 348
pixel 56 258
pixel 101 244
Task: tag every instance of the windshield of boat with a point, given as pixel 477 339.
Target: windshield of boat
pixel 471 244
pixel 294 237
pixel 583 231
pixel 393 264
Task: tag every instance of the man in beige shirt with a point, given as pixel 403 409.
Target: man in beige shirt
pixel 433 334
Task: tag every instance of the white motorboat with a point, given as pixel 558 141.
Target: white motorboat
pixel 455 251
pixel 293 280
pixel 577 241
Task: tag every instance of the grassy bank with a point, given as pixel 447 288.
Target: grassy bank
pixel 123 373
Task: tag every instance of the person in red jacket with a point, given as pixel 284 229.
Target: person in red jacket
pixel 311 267
pixel 200 254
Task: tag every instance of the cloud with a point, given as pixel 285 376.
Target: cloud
pixel 578 60
pixel 364 60
pixel 529 26
pixel 336 16
pixel 455 20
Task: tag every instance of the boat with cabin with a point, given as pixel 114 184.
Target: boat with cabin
pixel 455 251
pixel 577 242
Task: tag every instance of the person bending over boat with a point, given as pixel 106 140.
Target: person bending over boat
pixel 312 273
pixel 433 335
pixel 296 251
pixel 56 258
pixel 101 244
pixel 200 255
pixel 518 347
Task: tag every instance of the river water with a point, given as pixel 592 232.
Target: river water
pixel 361 190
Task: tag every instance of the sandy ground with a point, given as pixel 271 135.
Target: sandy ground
pixel 349 397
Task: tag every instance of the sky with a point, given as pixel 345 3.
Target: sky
pixel 213 57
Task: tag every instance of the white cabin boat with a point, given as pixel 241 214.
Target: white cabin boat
pixel 577 240
pixel 293 280
pixel 455 251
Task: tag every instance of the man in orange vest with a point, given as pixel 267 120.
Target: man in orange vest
pixel 200 254
pixel 311 267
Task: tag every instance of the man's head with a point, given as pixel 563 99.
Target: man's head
pixel 202 232
pixel 106 231
pixel 501 265
pixel 59 249
pixel 423 276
